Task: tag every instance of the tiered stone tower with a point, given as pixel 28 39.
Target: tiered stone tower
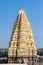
pixel 22 48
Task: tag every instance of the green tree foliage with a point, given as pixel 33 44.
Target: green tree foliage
pixel 40 53
pixel 3 54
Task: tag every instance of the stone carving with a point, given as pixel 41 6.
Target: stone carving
pixel 22 45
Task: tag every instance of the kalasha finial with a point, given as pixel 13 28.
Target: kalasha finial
pixel 21 11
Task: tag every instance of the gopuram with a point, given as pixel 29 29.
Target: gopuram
pixel 22 48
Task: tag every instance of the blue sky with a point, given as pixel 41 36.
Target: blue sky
pixel 8 12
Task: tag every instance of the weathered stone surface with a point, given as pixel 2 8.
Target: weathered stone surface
pixel 22 42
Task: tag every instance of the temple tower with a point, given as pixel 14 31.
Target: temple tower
pixel 22 48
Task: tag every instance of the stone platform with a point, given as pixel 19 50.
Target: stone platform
pixel 13 64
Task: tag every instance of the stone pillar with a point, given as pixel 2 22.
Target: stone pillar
pixel 30 61
pixel 34 60
pixel 10 60
pixel 25 60
pixel 19 60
